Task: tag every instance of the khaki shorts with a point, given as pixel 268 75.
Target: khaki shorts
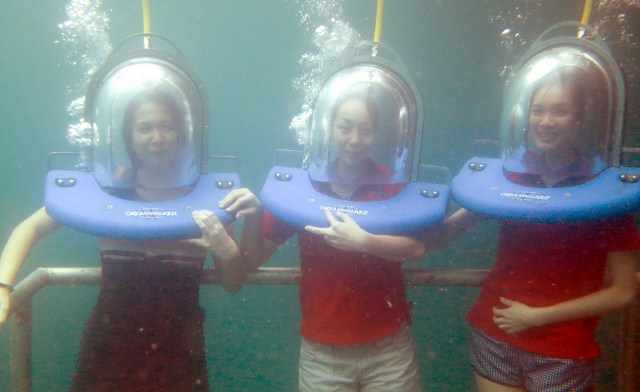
pixel 388 364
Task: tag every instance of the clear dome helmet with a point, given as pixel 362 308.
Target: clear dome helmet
pixel 142 91
pixel 566 95
pixel 367 113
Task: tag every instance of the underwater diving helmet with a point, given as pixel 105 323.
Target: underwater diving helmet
pixel 365 125
pixel 591 85
pixel 128 79
pixel 136 93
pixel 392 109
pixel 561 138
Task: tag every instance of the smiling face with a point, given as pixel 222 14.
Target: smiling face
pixel 553 119
pixel 353 134
pixel 154 136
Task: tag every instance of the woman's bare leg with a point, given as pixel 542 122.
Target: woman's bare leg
pixel 486 385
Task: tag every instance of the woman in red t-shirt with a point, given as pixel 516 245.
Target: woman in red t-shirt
pixel 355 316
pixel 533 325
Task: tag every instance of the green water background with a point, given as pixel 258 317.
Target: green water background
pixel 246 53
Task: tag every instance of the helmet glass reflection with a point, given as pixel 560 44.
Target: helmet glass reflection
pixel 147 115
pixel 364 127
pixel 558 117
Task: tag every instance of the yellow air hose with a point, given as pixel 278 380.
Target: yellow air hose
pixel 378 31
pixel 146 22
pixel 586 14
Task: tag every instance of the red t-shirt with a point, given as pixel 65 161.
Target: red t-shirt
pixel 543 264
pixel 345 297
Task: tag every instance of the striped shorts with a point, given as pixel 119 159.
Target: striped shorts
pixel 508 365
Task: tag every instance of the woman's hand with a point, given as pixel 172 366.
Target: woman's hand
pixel 241 202
pixel 220 240
pixel 516 317
pixel 343 234
pixel 214 235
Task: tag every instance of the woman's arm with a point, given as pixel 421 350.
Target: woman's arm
pixel 619 293
pixel 254 247
pixel 345 234
pixel 16 251
pixel 453 227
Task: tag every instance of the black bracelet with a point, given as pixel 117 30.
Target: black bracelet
pixel 6 286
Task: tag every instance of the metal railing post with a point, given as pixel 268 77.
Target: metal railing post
pixel 20 346
pixel 629 368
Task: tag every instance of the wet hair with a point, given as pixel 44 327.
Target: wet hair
pixel 361 94
pixel 156 96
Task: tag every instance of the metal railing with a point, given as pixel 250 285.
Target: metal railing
pixel 21 298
